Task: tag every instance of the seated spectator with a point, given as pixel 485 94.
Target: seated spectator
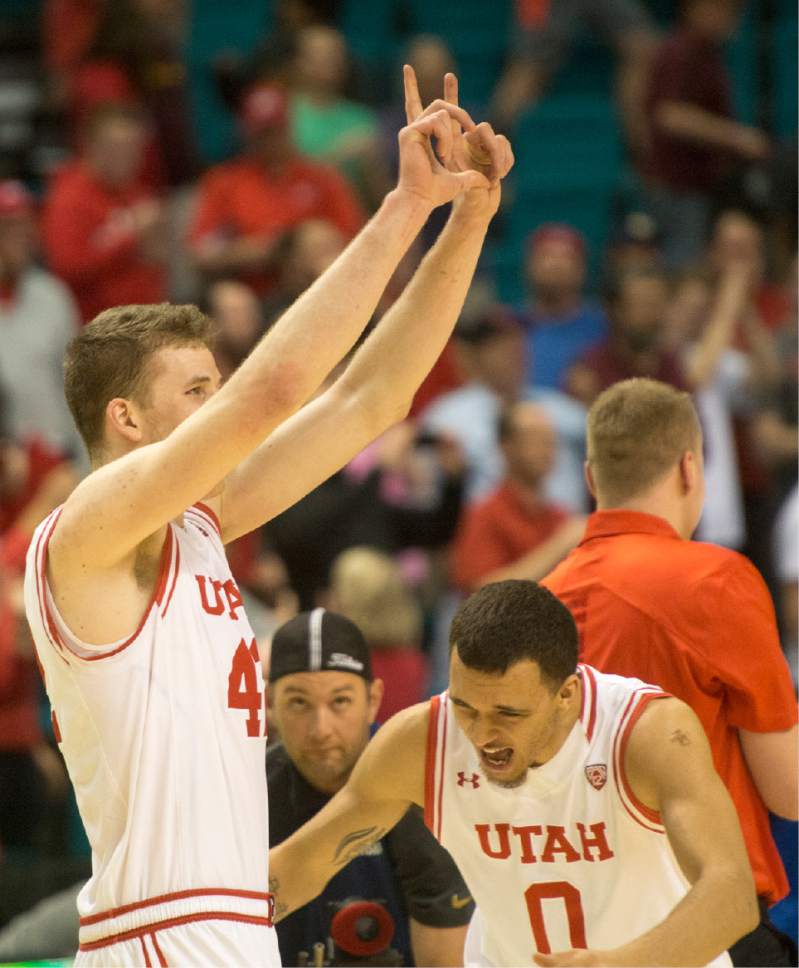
pixel 104 229
pixel 306 251
pixel 38 317
pixel 739 236
pixel 547 29
pixel 237 312
pixel 694 139
pixel 368 587
pixel 494 353
pixel 135 57
pixel 703 320
pixel 636 345
pixel 327 126
pixel 324 698
pixel 380 499
pixel 634 245
pixel 516 532
pixel 561 323
pixel 246 206
pixel 33 481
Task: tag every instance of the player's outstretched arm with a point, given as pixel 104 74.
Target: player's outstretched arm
pixel 388 777
pixel 128 500
pixel 378 386
pixel 669 765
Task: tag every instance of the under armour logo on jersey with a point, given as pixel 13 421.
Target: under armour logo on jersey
pixel 474 779
pixel 597 775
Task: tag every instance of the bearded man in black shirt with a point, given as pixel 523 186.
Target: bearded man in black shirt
pixel 323 701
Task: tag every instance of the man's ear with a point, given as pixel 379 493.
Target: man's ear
pixel 589 479
pixel 376 689
pixel 123 419
pixel 568 688
pixel 689 472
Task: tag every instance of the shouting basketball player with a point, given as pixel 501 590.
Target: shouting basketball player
pixel 150 663
pixel 582 809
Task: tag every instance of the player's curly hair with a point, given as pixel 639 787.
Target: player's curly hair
pixel 109 358
pixel 508 621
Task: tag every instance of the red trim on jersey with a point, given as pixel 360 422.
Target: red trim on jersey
pixel 210 514
pixel 643 702
pixel 175 571
pixel 166 555
pixel 589 732
pixel 644 697
pixel 441 774
pixel 176 896
pixel 430 764
pixel 161 959
pixel 172 923
pixel 40 561
pixel 147 963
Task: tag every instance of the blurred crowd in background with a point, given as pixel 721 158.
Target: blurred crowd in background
pixel 224 154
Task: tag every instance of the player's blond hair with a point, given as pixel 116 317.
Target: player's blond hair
pixel 637 431
pixel 369 589
pixel 109 358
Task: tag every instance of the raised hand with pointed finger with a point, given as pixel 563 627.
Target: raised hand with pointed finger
pixel 443 153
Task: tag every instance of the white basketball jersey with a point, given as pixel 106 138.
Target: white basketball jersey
pixel 164 737
pixel 569 859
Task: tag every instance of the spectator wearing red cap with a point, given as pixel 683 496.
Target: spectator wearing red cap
pixel 562 325
pixel 126 51
pixel 38 317
pixel 246 205
pixel 104 228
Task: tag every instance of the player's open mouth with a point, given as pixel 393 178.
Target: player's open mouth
pixel 498 759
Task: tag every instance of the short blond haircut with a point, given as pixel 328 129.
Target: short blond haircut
pixel 109 358
pixel 637 431
pixel 369 589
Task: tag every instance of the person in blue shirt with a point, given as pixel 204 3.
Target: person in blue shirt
pixel 561 323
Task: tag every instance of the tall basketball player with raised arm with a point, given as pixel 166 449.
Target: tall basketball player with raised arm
pixel 582 809
pixel 149 660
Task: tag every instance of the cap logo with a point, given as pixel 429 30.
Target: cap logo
pixel 340 660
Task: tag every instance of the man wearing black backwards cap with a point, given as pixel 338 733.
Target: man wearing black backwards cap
pixel 323 701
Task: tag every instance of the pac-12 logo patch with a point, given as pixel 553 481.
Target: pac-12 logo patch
pixel 597 775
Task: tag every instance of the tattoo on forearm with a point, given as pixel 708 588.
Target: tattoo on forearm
pixel 678 736
pixel 354 844
pixel 274 890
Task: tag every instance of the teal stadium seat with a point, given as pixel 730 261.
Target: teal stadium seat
pixel 741 58
pixel 216 28
pixel 784 40
pixel 568 169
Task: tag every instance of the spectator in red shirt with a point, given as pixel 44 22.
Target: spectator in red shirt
pixel 694 138
pixel 516 532
pixel 694 618
pixel 246 205
pixel 637 301
pixel 33 480
pixel 136 56
pixel 104 230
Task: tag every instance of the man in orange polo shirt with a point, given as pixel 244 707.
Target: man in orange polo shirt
pixel 247 205
pixel 694 618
